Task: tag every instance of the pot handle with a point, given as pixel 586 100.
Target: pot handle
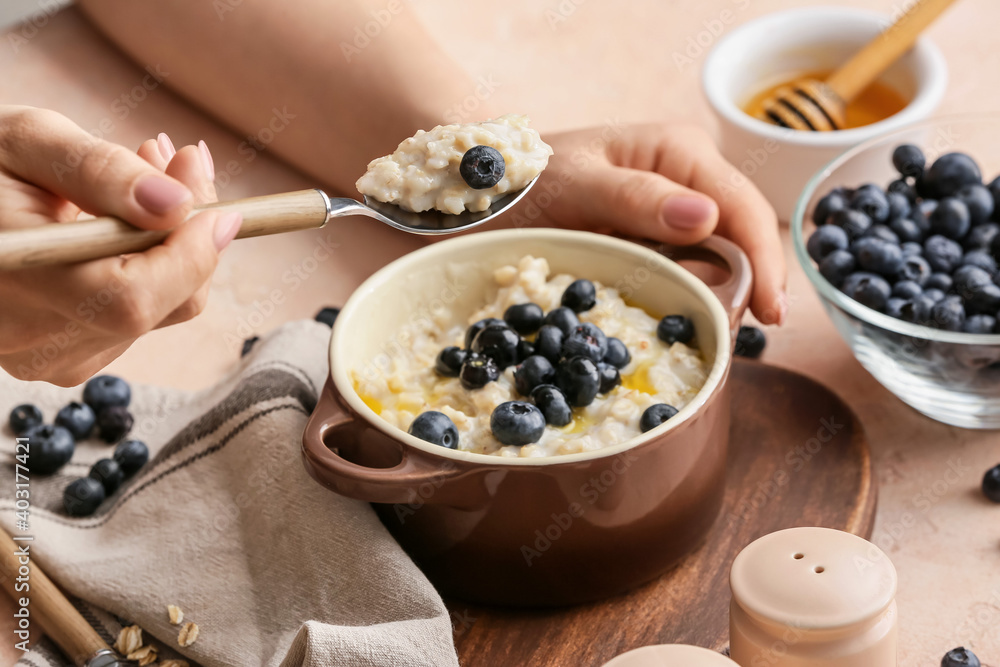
pixel 734 291
pixel 387 471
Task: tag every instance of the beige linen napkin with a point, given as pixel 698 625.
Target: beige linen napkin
pixel 225 523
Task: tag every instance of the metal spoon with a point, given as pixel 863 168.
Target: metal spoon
pixel 84 240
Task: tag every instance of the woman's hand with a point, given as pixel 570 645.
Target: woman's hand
pixel 62 324
pixel 665 182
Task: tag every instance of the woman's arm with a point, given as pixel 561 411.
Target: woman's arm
pixel 344 80
pixel 360 75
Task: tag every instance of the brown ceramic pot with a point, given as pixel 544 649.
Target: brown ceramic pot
pixel 533 531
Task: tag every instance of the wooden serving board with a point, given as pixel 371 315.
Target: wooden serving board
pixel 798 457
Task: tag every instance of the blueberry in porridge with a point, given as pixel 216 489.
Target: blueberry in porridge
pixel 554 364
pixel 456 168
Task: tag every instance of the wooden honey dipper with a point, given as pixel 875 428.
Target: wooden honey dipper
pixel 812 105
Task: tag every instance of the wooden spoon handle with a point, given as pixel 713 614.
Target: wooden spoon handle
pixel 107 237
pixel 62 622
pixel 868 63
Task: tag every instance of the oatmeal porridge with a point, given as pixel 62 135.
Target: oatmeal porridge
pixel 436 169
pixel 482 387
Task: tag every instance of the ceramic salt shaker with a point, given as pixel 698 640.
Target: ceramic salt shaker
pixel 813 597
pixel 671 655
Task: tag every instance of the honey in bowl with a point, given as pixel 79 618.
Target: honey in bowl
pixel 876 102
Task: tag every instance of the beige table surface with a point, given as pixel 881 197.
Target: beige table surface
pixel 607 61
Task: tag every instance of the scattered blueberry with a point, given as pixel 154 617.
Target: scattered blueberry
pixel 83 496
pixel 610 377
pixel 949 174
pixel 578 379
pixel 78 419
pixel 130 456
pixel 908 160
pixel 49 448
pixel 532 372
pixel 24 417
pixel 474 329
pixel 517 423
pixel 960 657
pixel 248 345
pixel 552 402
pixel 617 354
pixel 482 167
pixel 564 318
pixel 524 318
pixel 951 218
pixel 991 484
pixel 109 474
pixel 825 240
pixel 580 296
pixel 655 415
pixel 585 340
pixel 750 342
pixel 980 324
pixel 328 315
pixel 868 289
pixel 106 391
pixel 675 329
pixel 477 371
pixel 449 361
pixel 837 266
pixel 548 342
pixel 436 428
pixel 906 289
pixel 499 342
pixel 114 423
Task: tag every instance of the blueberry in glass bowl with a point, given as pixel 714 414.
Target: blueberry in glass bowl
pixel 937 349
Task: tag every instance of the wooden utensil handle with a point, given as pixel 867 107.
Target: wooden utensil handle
pixel 107 237
pixel 62 622
pixel 868 63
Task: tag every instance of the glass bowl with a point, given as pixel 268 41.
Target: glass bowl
pixel 951 377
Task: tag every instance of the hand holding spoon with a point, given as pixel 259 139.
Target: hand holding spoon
pixel 84 240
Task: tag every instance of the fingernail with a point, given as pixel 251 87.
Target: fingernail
pixel 160 194
pixel 166 146
pixel 206 159
pixel 686 212
pixel 226 228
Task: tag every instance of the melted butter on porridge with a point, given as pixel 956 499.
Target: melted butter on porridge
pixel 423 172
pixel 657 373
